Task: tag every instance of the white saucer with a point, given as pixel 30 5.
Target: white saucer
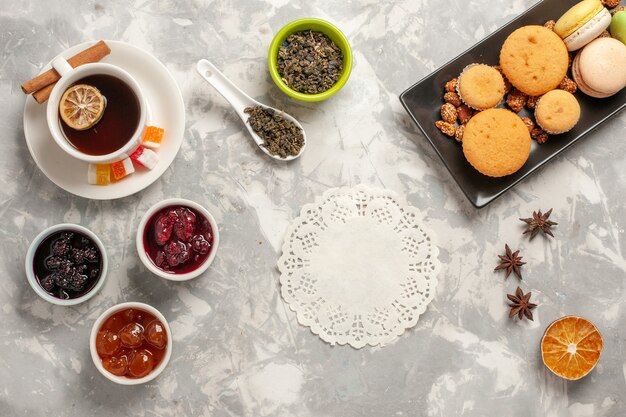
pixel 167 110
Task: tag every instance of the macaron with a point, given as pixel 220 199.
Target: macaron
pixel 618 26
pixel 582 23
pixel 600 68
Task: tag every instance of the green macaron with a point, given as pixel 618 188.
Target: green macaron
pixel 618 26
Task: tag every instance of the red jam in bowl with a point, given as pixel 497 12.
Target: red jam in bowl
pixel 131 343
pixel 178 239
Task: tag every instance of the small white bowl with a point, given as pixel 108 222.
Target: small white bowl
pixel 141 250
pixel 122 379
pixel 30 258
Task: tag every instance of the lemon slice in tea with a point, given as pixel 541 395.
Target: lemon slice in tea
pixel 81 106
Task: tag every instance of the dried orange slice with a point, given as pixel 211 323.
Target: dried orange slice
pixel 81 106
pixel 571 347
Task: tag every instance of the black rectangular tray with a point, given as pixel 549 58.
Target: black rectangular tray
pixel 424 99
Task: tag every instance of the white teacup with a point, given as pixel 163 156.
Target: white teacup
pixel 70 76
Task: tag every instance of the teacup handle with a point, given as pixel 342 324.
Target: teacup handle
pixel 61 66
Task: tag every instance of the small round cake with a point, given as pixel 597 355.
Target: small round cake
pixel 496 142
pixel 480 86
pixel 534 59
pixel 557 112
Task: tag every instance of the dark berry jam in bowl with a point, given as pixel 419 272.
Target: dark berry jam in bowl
pixel 66 264
pixel 177 239
pixel 131 343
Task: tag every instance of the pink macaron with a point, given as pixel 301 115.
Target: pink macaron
pixel 600 68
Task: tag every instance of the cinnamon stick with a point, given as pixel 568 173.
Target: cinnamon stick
pixel 42 95
pixel 92 54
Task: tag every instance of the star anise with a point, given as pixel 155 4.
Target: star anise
pixel 539 223
pixel 521 305
pixel 511 261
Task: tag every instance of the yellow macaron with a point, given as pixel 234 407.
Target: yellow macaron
pixel 581 24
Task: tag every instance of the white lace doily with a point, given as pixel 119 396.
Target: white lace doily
pixel 357 267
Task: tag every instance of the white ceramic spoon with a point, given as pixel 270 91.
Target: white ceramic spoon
pixel 240 100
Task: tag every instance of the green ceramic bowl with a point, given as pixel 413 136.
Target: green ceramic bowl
pixel 318 25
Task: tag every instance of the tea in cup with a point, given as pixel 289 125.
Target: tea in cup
pixel 96 112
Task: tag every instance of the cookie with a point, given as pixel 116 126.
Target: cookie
pixel 496 142
pixel 557 112
pixel 480 86
pixel 534 59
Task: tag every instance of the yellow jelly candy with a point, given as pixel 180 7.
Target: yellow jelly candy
pixel 99 174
